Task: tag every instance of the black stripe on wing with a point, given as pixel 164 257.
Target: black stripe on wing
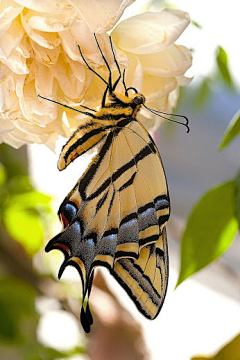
pixel 147 150
pixel 147 295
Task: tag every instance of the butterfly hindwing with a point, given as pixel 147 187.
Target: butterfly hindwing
pixel 145 280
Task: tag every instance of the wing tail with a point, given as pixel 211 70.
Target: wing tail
pixel 79 254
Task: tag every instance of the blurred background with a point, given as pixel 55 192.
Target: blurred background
pixel 39 315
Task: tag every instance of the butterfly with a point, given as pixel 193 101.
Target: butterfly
pixel 116 214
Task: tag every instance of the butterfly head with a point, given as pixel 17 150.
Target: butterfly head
pixel 137 100
pixel 132 102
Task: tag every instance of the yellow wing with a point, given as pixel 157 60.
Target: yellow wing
pixel 116 214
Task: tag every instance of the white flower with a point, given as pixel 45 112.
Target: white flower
pixel 39 55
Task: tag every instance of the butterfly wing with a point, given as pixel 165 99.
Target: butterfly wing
pixel 145 280
pixel 115 216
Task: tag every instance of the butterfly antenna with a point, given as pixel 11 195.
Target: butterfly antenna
pixel 109 70
pixel 159 113
pixel 85 107
pixel 123 81
pixel 89 67
pixel 118 67
pixel 130 88
pixel 69 107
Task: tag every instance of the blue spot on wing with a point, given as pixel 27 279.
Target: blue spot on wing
pixel 90 242
pixel 161 203
pixel 147 212
pixel 76 226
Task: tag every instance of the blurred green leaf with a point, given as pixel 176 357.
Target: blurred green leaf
pixel 19 184
pixel 203 92
pixel 17 309
pixel 23 219
pixel 3 175
pixel 230 351
pixel 3 178
pixel 14 160
pixel 222 62
pixel 195 23
pixel 232 131
pixel 238 197
pixel 30 351
pixel 210 229
pixel 49 354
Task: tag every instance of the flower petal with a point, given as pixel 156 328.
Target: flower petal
pixel 33 109
pixel 183 80
pixel 17 63
pixel 6 87
pixel 44 55
pixel 50 6
pixel 81 35
pixel 6 126
pixel 47 40
pixel 8 12
pixel 71 86
pixel 102 15
pixel 11 39
pixel 150 32
pixel 55 23
pixel 16 139
pixel 155 87
pixel 173 61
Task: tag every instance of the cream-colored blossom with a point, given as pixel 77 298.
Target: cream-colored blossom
pixel 39 55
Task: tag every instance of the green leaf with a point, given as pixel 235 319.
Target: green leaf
pixel 19 184
pixel 230 351
pixel 23 219
pixel 222 62
pixel 45 353
pixel 14 160
pixel 238 197
pixel 3 175
pixel 195 23
pixel 203 93
pixel 232 131
pixel 210 229
pixel 17 309
pixel 3 178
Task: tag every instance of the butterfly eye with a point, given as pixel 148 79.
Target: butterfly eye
pixel 138 100
pixel 67 214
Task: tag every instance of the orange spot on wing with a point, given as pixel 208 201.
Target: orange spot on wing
pixel 64 221
pixel 64 247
